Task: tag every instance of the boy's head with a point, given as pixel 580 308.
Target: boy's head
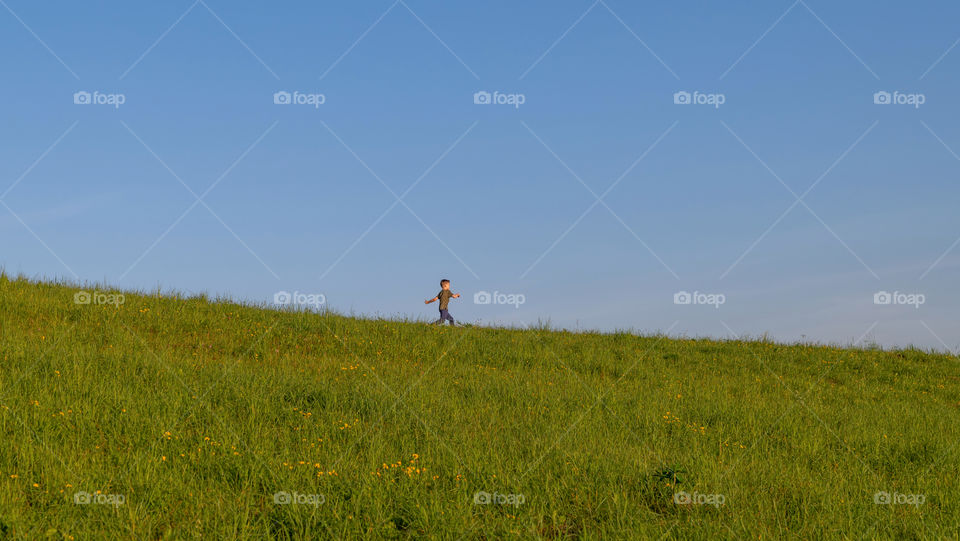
pixel 444 284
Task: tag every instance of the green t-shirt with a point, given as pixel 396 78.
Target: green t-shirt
pixel 444 297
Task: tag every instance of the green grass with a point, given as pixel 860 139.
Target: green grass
pixel 196 413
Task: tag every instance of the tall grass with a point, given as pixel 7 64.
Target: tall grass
pixel 181 417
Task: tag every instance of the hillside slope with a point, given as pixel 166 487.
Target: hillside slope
pixel 181 417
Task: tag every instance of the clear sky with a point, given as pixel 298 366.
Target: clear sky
pixel 788 194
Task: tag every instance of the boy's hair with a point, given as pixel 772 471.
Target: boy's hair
pixel 444 281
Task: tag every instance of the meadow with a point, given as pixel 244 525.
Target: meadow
pixel 172 417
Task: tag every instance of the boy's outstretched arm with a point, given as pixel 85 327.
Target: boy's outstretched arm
pixel 455 295
pixel 429 301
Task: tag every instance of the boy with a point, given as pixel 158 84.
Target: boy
pixel 444 297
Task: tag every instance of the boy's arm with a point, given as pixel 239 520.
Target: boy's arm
pixel 429 301
pixel 455 295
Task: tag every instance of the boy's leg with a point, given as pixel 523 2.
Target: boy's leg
pixel 449 317
pixel 440 321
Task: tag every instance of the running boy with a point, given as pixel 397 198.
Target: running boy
pixel 444 297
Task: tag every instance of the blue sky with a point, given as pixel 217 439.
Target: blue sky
pixel 598 199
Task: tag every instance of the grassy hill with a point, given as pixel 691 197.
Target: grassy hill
pixel 182 417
